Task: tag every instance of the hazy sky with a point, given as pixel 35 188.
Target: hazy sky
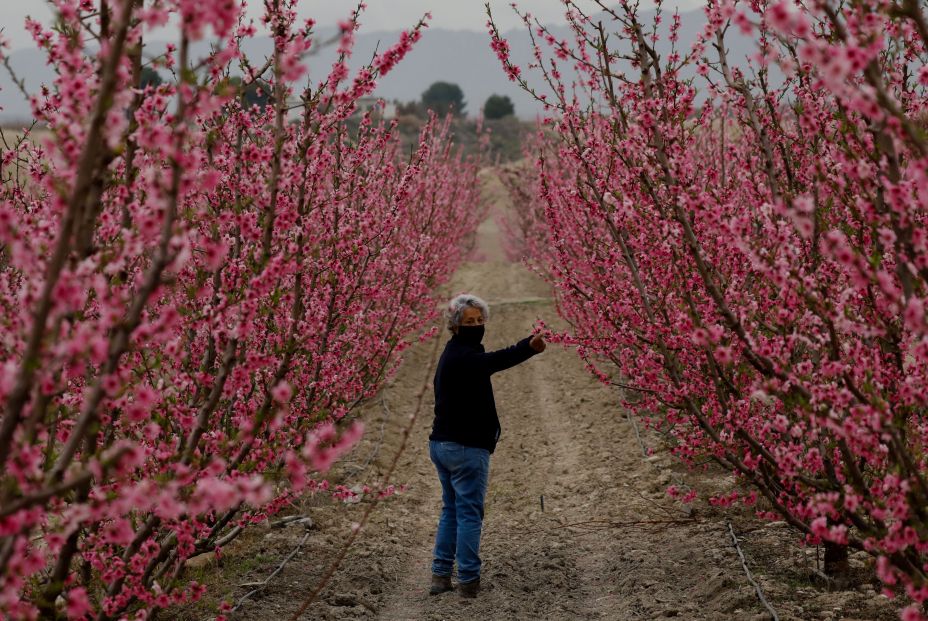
pixel 380 14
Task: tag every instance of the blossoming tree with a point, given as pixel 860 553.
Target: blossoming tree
pixel 195 293
pixel 742 245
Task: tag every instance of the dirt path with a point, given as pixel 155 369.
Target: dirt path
pixel 564 439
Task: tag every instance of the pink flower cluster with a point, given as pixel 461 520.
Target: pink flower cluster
pixel 196 296
pixel 748 258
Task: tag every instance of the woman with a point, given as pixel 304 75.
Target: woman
pixel 464 434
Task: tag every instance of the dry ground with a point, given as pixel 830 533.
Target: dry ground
pixel 564 440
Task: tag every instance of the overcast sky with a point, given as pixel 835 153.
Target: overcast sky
pixel 380 14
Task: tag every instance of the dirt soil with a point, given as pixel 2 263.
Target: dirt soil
pixel 565 534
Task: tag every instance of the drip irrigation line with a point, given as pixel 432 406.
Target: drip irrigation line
pixel 286 520
pixel 747 572
pixel 667 512
pixel 734 538
pixel 261 586
pixel 604 524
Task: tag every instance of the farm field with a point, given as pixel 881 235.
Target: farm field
pixel 563 439
pixel 237 283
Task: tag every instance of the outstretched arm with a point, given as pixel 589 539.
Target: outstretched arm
pixel 492 361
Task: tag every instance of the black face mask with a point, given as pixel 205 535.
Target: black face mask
pixel 472 335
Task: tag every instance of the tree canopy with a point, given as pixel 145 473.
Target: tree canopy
pixel 498 106
pixel 444 97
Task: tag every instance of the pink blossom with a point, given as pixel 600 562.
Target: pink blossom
pixel 78 604
pixel 724 355
pixel 282 392
pixel 912 613
pixel 915 314
pixel 923 75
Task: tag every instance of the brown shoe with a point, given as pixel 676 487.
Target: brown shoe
pixel 469 589
pixel 440 584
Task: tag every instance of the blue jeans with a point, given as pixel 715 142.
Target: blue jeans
pixel 464 472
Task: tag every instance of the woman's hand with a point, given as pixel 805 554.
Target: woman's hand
pixel 538 343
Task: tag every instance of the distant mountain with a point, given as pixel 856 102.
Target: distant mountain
pixel 459 56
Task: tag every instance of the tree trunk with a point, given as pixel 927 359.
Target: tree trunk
pixel 836 562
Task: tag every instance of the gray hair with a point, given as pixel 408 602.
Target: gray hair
pixel 455 310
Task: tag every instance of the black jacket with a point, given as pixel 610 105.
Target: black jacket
pixel 465 411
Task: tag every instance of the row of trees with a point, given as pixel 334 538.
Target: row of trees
pixel 195 294
pixel 443 98
pixel 440 98
pixel 744 248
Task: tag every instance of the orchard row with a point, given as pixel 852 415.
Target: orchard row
pixel 741 245
pixel 196 293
